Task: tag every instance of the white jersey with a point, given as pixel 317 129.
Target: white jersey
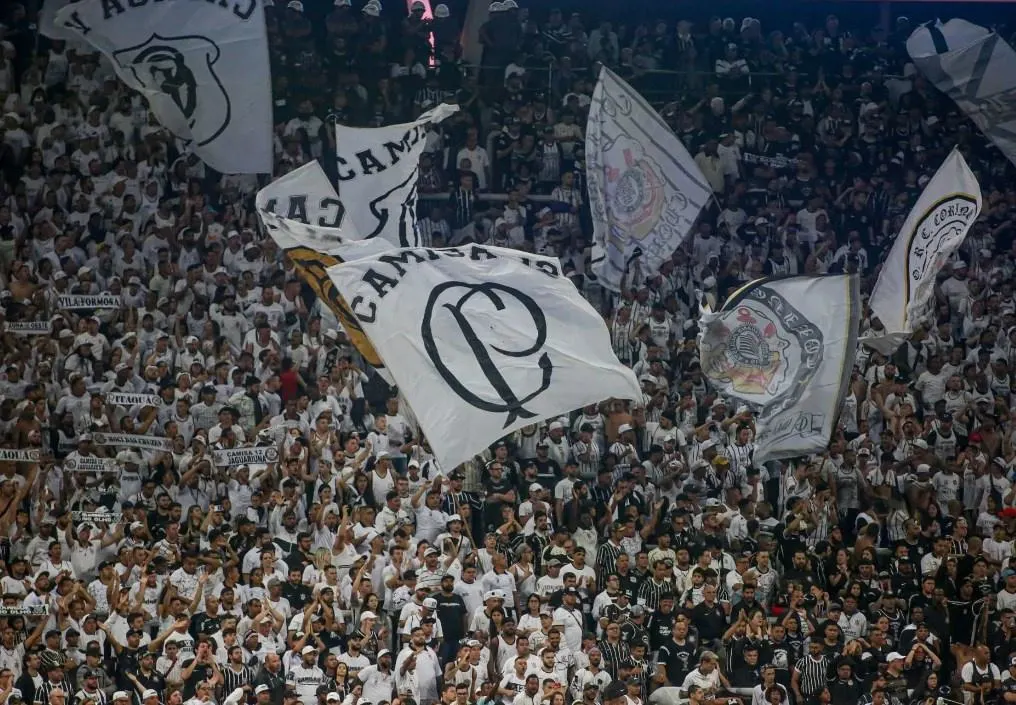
pixel 306 681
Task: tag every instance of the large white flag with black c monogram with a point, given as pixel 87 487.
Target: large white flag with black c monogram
pixel 936 227
pixel 645 190
pixel 202 66
pixel 787 347
pixel 485 339
pixel 378 171
pixel 977 69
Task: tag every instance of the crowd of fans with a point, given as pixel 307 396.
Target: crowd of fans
pixel 621 553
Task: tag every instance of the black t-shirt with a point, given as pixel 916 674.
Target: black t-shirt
pixel 298 595
pixel 711 622
pixel 745 677
pixel 548 472
pixel 783 656
pixel 845 692
pixel 202 622
pixel 634 634
pixel 659 628
pixel 126 662
pixel 201 672
pixel 156 681
pixel 450 610
pixel 678 659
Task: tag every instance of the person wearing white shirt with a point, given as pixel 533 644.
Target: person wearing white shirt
pixel 997 548
pixel 378 679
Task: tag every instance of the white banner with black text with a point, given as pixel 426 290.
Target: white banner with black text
pixel 378 171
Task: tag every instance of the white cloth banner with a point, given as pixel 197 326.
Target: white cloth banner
pixel 786 346
pixel 306 196
pixel 48 26
pixel 935 228
pixel 133 440
pixel 20 455
pixel 645 190
pixel 261 455
pixel 90 463
pixel 977 69
pixel 28 327
pixel 378 171
pixel 133 399
pixel 97 517
pixel 486 339
pixel 202 66
pixel 88 301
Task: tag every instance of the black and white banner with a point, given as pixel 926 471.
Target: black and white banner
pixel 28 327
pixel 787 347
pixel 305 195
pixel 378 171
pixel 486 339
pixel 20 455
pixel 24 610
pixel 133 440
pixel 645 190
pixel 88 301
pixel 777 161
pixel 936 227
pixel 261 455
pixel 90 463
pixel 129 399
pixel 977 69
pixel 97 517
pixel 202 66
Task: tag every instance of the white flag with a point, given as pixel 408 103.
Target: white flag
pixel 935 228
pixel 378 170
pixel 48 26
pixel 645 190
pixel 315 224
pixel 202 66
pixel 786 346
pixel 486 339
pixel 305 195
pixel 977 69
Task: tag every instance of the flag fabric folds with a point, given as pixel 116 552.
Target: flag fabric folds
pixel 311 234
pixel 487 339
pixel 977 69
pixel 378 171
pixel 203 67
pixel 935 228
pixel 787 348
pixel 645 190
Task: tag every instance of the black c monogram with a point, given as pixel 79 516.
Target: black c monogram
pixel 513 403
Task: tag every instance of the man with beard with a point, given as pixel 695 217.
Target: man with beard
pixel 378 679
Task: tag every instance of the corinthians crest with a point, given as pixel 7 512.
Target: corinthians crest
pixel 760 348
pixel 636 192
pixel 753 358
pixel 177 75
